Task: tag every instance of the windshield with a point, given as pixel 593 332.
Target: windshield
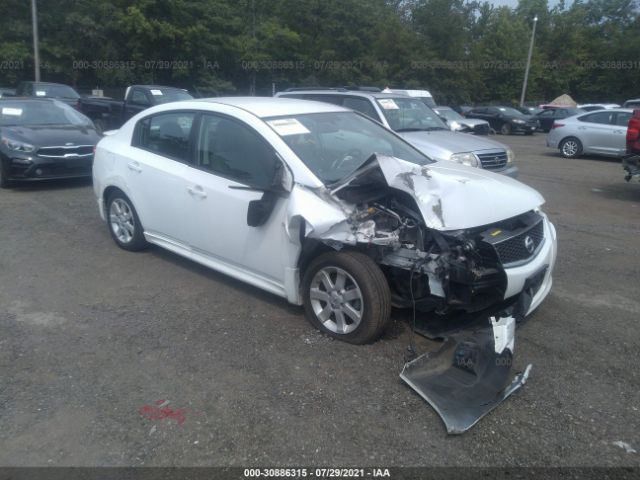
pixel 449 114
pixel 39 112
pixel 510 111
pixel 166 95
pixel 335 144
pixel 409 115
pixel 55 91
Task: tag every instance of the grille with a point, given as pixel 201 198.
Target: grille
pixel 66 152
pixel 482 129
pixel 513 250
pixel 493 161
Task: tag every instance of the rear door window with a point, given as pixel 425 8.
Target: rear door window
pixel 361 105
pixel 622 119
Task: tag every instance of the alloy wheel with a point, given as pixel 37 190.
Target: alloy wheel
pixel 336 300
pixel 121 220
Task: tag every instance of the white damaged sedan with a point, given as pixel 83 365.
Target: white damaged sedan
pixel 326 208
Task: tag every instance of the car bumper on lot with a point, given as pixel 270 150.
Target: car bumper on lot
pixel 536 275
pixel 631 165
pixel 523 128
pixel 511 171
pixel 34 168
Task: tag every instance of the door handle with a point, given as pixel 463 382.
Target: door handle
pixel 135 166
pixel 197 191
pixel 618 131
pixel 582 128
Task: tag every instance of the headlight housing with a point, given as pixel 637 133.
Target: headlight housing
pixel 510 156
pixel 517 120
pixel 17 146
pixel 467 158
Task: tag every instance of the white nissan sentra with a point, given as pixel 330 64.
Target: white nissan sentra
pixel 326 208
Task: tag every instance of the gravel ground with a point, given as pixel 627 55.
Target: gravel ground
pixel 116 358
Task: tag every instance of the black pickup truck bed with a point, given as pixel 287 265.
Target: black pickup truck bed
pixel 110 114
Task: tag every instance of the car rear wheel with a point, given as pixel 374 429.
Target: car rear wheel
pixel 505 129
pixel 124 223
pixel 571 147
pixel 347 296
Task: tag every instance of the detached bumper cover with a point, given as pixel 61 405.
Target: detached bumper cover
pixel 469 376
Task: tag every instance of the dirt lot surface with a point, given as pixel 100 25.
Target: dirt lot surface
pixel 116 358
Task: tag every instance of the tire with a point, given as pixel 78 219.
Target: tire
pixel 368 306
pixel 505 129
pixel 4 177
pixel 570 147
pixel 124 224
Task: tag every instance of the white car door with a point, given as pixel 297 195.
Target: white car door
pixel 157 172
pixel 596 130
pixel 231 157
pixel 621 122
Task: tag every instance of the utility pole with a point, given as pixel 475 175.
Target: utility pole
pixel 526 71
pixel 36 53
pixel 252 87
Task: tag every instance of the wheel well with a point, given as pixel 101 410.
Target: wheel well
pixel 108 191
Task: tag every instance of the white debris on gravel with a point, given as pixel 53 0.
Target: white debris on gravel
pixel 624 445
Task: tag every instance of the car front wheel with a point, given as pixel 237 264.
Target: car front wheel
pixel 570 147
pixel 347 296
pixel 505 129
pixel 124 223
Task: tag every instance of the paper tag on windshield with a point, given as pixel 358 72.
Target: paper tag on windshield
pixel 288 126
pixel 388 104
pixel 156 92
pixel 12 111
pixel 40 93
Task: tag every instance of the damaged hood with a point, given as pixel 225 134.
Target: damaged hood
pixel 441 144
pixel 453 197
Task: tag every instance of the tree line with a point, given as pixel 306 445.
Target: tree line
pixel 463 51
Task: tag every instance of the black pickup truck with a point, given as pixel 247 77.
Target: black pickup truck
pixel 110 114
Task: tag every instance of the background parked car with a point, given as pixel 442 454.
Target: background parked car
pixel 505 120
pixel 590 107
pixel 44 139
pixel 602 132
pixel 7 92
pixel 108 114
pixel 410 118
pixel 458 123
pixel 59 91
pixel 528 110
pixel 547 117
pixel 424 95
pixel 633 103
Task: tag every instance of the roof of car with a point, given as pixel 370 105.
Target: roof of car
pixel 274 106
pixel 349 93
pixel 27 99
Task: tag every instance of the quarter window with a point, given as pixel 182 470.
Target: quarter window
pixel 598 117
pixel 231 149
pixel 167 134
pixel 622 119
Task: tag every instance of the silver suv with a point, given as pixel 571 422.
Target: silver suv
pixel 419 125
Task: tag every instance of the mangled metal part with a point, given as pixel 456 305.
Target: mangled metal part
pixel 469 375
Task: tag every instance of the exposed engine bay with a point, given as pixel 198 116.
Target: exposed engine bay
pixel 436 270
